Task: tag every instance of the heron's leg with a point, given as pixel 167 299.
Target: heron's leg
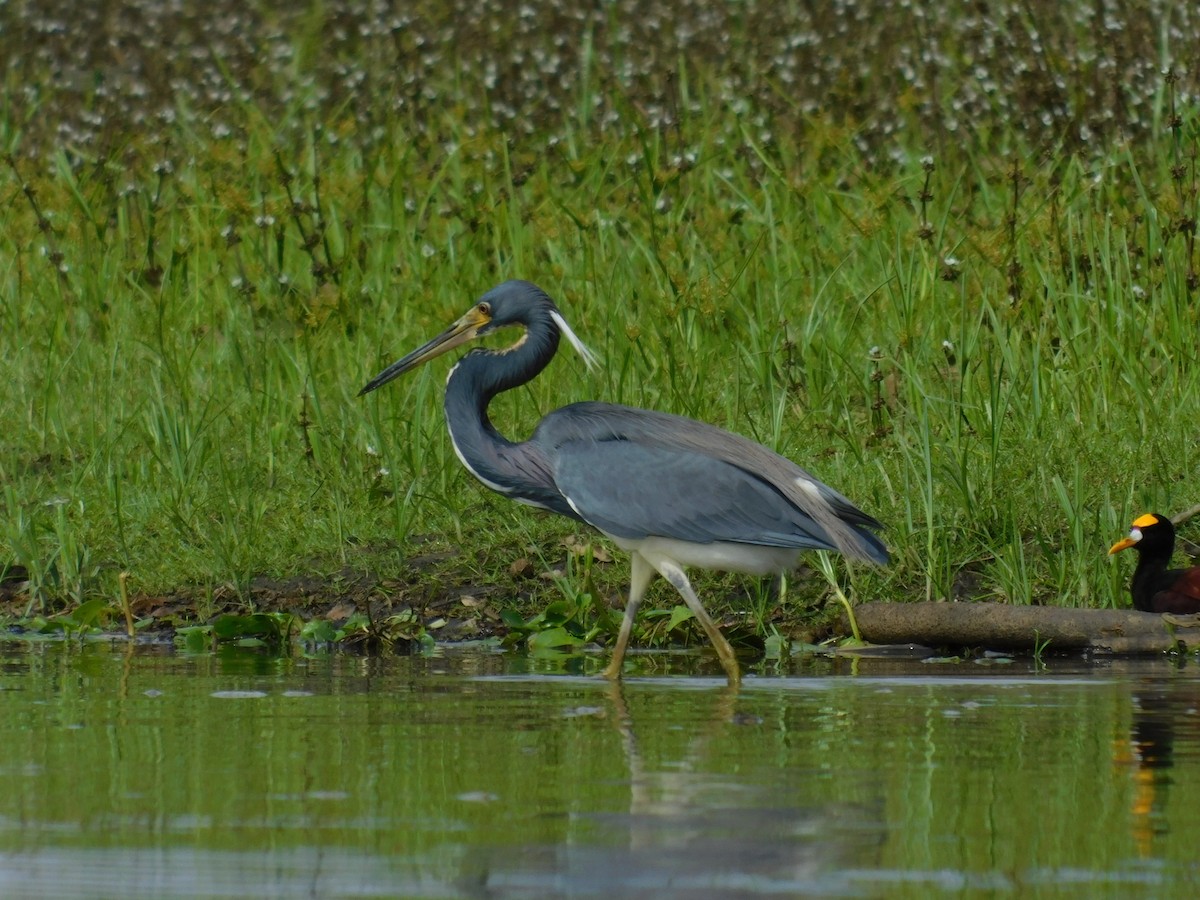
pixel 639 579
pixel 673 572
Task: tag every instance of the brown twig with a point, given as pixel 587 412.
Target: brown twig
pixel 1182 517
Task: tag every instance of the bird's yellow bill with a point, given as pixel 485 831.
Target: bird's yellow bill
pixel 1124 544
pixel 465 329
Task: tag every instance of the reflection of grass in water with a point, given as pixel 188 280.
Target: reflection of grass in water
pixel 204 269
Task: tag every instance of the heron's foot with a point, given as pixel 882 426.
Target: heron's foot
pixel 733 672
pixel 613 670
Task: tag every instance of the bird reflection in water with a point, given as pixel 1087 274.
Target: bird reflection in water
pixel 692 830
pixel 1163 712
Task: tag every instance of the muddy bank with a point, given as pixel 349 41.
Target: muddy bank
pixel 443 601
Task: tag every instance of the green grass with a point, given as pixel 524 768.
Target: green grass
pixel 999 366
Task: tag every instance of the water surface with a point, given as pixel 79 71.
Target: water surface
pixel 149 773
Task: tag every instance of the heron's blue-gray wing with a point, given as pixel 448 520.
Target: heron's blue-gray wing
pixel 625 461
pixel 633 491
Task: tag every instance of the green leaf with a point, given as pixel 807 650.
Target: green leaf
pixel 229 627
pixel 271 627
pixel 679 615
pixel 319 631
pixel 358 623
pixel 553 639
pixel 776 646
pixel 512 620
pixel 43 625
pixel 195 638
pixel 558 613
pixel 88 614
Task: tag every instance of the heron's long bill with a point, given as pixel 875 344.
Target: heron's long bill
pixel 459 333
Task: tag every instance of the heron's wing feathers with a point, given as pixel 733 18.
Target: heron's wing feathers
pixel 635 491
pixel 668 456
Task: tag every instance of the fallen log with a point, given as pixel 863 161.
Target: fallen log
pixel 999 626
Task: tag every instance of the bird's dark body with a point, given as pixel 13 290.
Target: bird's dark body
pixel 1166 590
pixel 671 490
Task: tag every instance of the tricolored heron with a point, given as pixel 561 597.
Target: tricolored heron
pixel 672 491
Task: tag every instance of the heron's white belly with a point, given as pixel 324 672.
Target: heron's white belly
pixel 724 556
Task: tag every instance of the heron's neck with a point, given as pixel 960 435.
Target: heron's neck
pixel 481 375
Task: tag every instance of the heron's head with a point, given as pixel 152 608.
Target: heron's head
pixel 1149 532
pixel 513 303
